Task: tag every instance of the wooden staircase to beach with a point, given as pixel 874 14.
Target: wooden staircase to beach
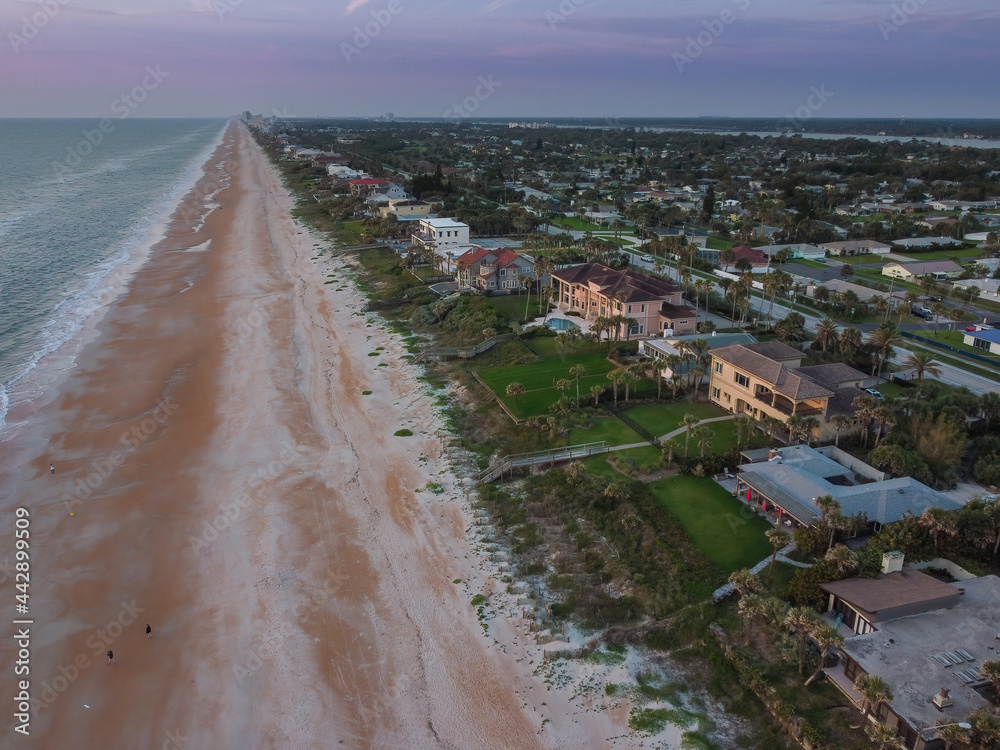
pixel 462 352
pixel 507 464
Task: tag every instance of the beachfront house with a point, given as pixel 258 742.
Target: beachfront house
pixel 651 305
pixel 495 270
pixel 768 380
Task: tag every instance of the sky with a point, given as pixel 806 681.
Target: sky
pixel 500 58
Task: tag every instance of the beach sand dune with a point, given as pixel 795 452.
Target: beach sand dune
pixel 233 487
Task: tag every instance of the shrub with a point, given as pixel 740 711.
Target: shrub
pixel 403 433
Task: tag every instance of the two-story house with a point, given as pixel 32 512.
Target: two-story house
pixel 768 380
pixel 445 239
pixel 494 269
pixel 653 305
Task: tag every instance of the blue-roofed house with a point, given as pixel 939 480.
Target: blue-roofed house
pixel 988 340
pixel 790 479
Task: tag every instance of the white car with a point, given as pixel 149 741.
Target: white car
pixel 648 259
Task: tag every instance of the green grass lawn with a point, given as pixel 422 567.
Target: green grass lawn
pixel 644 459
pixel 954 339
pixel 660 419
pixel 513 306
pixel 959 256
pixel 807 262
pixel 725 531
pixel 854 260
pixel 577 224
pixel 721 243
pixel 609 429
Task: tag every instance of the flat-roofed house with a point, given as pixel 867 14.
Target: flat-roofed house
pixel 594 290
pixel 925 638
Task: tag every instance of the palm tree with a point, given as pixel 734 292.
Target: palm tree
pixel 689 422
pixel 796 428
pixel 850 340
pixel 839 422
pixel 703 436
pixel 668 449
pixel 596 391
pixel 939 522
pixel 843 560
pixel 827 637
pixel 577 372
pixel 801 621
pixel 615 377
pixel 616 491
pixel 751 607
pixel 884 417
pixel 779 539
pixel 950 731
pixel 882 340
pixel 938 309
pixel 745 582
pixel 955 315
pixel 515 390
pixel 627 377
pixel 991 671
pixel 874 690
pixel 744 425
pixel 827 333
pixel 865 407
pixel 923 363
pixel 985 728
pixel 885 737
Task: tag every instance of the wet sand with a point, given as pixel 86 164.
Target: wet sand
pixel 232 487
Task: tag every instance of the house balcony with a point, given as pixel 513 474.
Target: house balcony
pixel 787 407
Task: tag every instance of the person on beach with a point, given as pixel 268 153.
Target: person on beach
pixel 111 656
pixel 52 468
pixel 149 631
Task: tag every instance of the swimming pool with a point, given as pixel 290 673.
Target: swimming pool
pixel 561 324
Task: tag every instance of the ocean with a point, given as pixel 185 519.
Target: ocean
pixel 76 204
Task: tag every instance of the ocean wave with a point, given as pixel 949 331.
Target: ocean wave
pixel 102 285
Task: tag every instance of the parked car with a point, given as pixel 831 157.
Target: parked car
pixel 874 393
pixel 648 259
pixel 970 329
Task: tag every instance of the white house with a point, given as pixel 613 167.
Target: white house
pixel 800 250
pixel 987 340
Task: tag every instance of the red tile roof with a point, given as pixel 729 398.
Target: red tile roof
pixel 369 181
pixel 635 286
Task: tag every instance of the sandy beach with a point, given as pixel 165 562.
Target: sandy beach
pixel 230 485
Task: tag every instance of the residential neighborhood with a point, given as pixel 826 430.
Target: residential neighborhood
pixel 651 343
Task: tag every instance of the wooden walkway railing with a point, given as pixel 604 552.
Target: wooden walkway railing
pixel 551 457
pixel 462 352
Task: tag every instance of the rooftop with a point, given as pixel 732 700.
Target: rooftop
pixel 636 287
pixel 899 589
pixel 992 336
pixel 802 474
pixel 903 652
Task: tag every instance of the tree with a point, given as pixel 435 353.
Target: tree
pixel 991 671
pixel 801 621
pixel 847 270
pixel 615 376
pixel 950 731
pixel 669 449
pixel 577 372
pixel 939 522
pixel 938 309
pixel 882 340
pixel 839 422
pixel 627 377
pixel 745 582
pixel 842 559
pixel 779 539
pixel 689 422
pixel 728 256
pixel 874 690
pixel 985 728
pixel 515 390
pixel 885 737
pixel 827 333
pixel 922 363
pixel 703 436
pixel 827 638
pixel 955 315
pixel 595 392
pixel 750 608
pixel 850 340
